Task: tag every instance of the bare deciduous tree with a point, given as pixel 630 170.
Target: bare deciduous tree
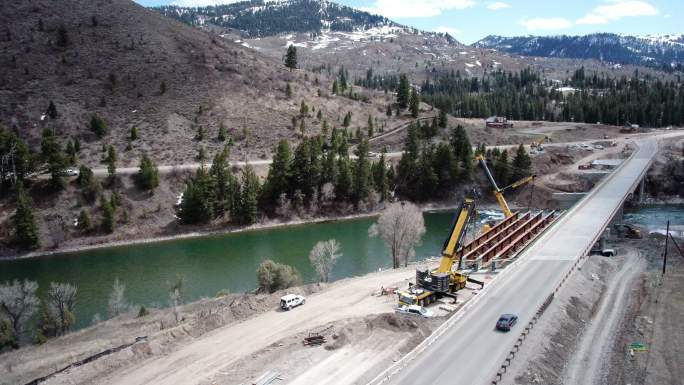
pixel 401 226
pixel 117 300
pixel 323 257
pixel 61 300
pixel 176 295
pixel 18 303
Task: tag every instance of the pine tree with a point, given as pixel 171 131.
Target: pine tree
pixel 225 184
pixel 222 133
pixel 370 126
pixel 407 171
pixel 403 92
pixel 335 88
pixel 501 167
pixel 427 181
pixel 111 161
pixel 446 170
pixel 303 109
pixel 84 223
pixel 25 230
pixel 108 219
pixel 380 177
pixel 443 120
pixel 414 103
pixel 249 196
pixel 51 110
pixel 279 175
pixel 134 133
pixel 200 133
pixel 388 112
pixel 162 87
pixel 522 164
pixel 291 57
pixel 53 156
pixel 361 174
pixel 198 199
pixel 288 91
pixel 343 181
pixel 347 119
pixel 98 126
pixel 463 152
pixel 148 175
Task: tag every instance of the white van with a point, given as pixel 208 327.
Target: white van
pixel 289 301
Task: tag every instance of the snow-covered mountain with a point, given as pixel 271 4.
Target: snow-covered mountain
pixel 665 51
pixel 263 18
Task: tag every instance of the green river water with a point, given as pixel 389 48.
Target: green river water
pixel 212 263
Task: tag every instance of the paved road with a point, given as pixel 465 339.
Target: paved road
pixel 471 351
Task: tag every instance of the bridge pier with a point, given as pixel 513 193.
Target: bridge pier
pixel 641 190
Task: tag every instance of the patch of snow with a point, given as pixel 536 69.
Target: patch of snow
pixel 470 65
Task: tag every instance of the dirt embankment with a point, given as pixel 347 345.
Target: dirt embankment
pixel 237 338
pixel 586 336
pixel 654 318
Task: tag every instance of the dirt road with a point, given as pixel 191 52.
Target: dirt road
pixel 204 357
pixel 588 365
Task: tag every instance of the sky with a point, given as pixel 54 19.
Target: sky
pixel 471 20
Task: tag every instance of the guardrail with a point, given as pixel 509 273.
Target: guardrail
pixel 578 261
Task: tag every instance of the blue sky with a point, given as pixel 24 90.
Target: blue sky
pixel 471 20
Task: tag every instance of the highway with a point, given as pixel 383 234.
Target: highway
pixel 471 351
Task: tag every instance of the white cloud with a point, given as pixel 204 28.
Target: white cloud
pixel 398 9
pixel 616 10
pixel 540 23
pixel 450 30
pixel 497 6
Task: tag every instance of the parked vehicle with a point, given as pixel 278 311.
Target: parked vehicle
pixel 289 301
pixel 598 147
pixel 69 172
pixel 506 322
pixel 415 310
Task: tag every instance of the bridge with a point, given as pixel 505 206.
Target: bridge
pixel 467 349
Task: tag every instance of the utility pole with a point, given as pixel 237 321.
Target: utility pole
pixel 667 236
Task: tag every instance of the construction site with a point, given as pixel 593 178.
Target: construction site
pixel 384 327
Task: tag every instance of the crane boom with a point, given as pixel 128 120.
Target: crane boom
pixel 456 236
pixel 498 192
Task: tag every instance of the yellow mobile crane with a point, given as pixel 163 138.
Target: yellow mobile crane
pixel 443 281
pixel 498 192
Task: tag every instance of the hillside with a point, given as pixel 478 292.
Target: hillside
pixel 665 52
pixel 329 36
pixel 134 67
pixel 259 18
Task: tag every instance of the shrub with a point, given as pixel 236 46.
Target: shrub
pixel 273 276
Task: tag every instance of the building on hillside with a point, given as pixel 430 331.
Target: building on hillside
pixel 498 122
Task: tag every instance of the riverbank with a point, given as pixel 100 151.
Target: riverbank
pixel 238 337
pixel 210 231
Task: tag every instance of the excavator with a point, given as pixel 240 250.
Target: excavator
pixel 444 280
pixel 498 192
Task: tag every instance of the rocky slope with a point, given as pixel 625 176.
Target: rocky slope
pixel 135 67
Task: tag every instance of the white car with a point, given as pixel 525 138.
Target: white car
pixel 414 310
pixel 598 147
pixel 289 301
pixel 70 172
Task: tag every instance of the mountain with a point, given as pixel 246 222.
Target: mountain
pixel 134 67
pixel 329 36
pixel 261 18
pixel 653 51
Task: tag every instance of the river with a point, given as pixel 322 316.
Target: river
pixel 211 263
